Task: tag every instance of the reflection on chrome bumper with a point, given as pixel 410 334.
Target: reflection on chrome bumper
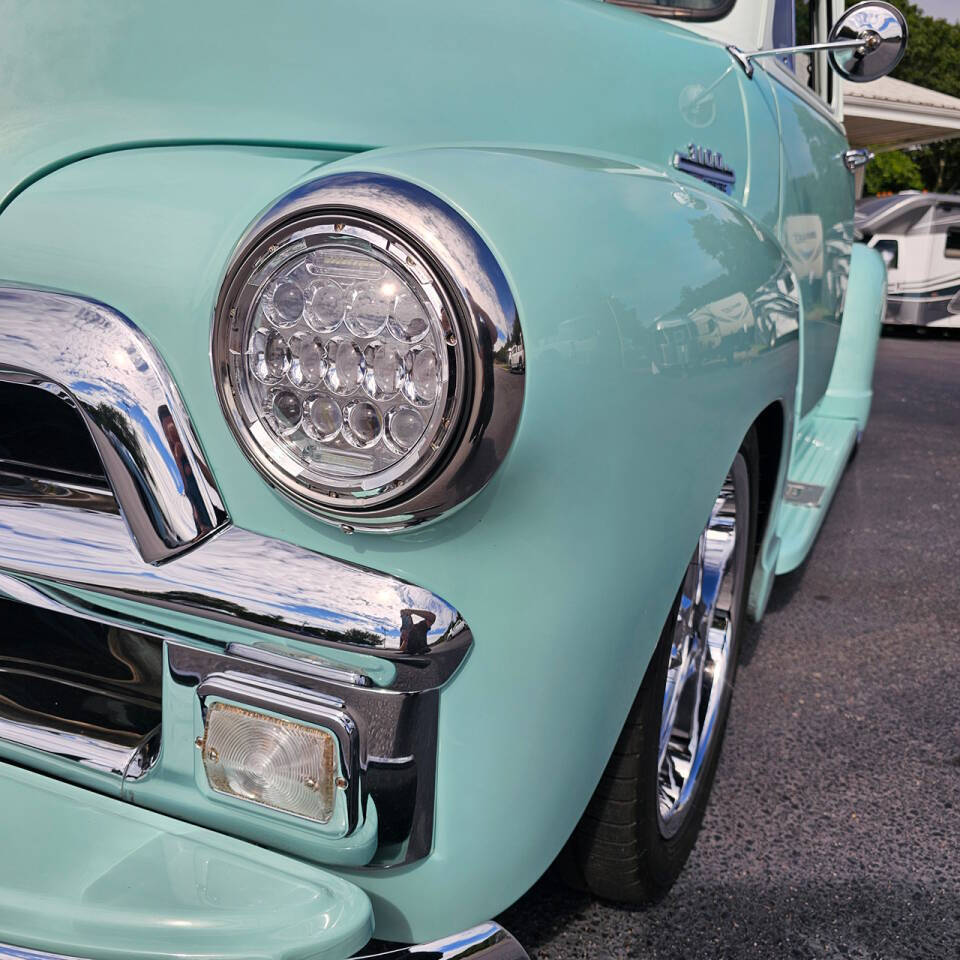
pixel 488 941
pixel 160 534
pixel 236 577
pixel 99 361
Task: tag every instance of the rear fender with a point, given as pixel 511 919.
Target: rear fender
pixel 850 391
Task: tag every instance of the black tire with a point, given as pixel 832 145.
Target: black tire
pixel 618 851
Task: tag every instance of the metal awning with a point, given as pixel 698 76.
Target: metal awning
pixel 891 113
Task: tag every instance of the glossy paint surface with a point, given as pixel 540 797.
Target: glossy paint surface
pixel 88 876
pixel 627 337
pixel 816 226
pixel 660 318
pixel 88 75
pixel 821 450
pixel 850 391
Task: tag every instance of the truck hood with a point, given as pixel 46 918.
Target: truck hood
pixel 93 76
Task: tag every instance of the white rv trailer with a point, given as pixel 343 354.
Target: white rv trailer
pixel 918 235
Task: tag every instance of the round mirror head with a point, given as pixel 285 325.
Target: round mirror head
pixel 882 29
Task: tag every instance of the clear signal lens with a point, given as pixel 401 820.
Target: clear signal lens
pixel 279 763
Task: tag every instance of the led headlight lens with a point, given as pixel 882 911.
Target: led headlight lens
pixel 343 363
pixel 360 349
pixel 281 764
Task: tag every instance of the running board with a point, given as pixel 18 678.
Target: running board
pixel 820 454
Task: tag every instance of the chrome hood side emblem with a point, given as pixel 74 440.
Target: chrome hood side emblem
pixel 706 165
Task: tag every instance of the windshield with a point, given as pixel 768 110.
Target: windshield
pixel 682 9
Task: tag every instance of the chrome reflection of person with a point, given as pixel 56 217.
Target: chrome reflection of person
pixel 413 635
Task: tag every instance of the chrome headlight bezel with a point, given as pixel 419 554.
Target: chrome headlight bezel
pixel 426 241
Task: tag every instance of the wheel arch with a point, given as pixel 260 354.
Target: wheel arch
pixel 773 442
pixel 770 427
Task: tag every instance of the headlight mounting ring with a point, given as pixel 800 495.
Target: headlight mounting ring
pixel 432 247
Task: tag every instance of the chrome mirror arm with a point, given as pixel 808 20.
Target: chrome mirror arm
pixel 867 41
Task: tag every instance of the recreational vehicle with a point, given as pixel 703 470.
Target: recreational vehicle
pixel 918 235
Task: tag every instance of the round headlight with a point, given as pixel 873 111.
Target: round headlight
pixel 350 355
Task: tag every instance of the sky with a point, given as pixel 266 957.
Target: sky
pixel 949 9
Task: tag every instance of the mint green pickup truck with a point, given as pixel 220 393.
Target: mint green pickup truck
pixel 402 408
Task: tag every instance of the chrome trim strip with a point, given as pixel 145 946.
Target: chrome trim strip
pixel 25 953
pixel 242 579
pixel 28 487
pixel 486 319
pixel 275 655
pixel 489 941
pixel 91 710
pixel 94 357
pixel 87 751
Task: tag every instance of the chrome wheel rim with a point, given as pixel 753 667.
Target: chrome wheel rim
pixel 703 648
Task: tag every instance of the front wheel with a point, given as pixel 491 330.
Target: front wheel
pixel 644 817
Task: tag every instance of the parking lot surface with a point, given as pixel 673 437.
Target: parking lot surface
pixel 833 827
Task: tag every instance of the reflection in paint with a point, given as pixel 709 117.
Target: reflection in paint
pixel 803 233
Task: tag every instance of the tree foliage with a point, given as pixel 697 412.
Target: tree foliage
pixel 891 172
pixel 932 60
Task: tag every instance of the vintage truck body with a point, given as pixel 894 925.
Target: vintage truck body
pixel 546 147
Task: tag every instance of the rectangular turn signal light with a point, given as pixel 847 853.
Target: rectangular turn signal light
pixel 281 764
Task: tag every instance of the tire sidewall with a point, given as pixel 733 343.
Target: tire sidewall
pixel 666 856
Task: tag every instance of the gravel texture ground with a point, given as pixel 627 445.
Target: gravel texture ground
pixel 833 826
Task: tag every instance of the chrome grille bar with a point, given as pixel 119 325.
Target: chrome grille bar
pixel 95 358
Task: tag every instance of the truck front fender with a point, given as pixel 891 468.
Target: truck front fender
pixel 659 320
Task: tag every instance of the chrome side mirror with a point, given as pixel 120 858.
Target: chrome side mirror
pixel 866 43
pixel 883 31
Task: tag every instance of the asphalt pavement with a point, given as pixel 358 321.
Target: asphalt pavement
pixel 833 826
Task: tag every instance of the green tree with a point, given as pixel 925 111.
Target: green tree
pixel 932 60
pixel 891 172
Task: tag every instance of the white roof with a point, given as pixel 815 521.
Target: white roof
pixel 891 113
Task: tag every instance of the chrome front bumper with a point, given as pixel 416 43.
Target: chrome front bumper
pixel 151 549
pixel 160 533
pixel 488 941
